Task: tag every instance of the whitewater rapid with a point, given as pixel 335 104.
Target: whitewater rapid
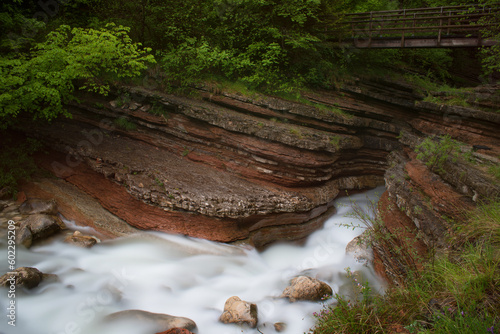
pixel 180 276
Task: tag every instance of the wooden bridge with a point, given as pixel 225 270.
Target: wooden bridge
pixel 438 27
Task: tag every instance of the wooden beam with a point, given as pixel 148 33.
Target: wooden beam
pixel 463 42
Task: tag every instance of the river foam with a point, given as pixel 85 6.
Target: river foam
pixel 181 276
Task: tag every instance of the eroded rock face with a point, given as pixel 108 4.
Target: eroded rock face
pixel 307 288
pixel 243 164
pixel 26 277
pixel 229 167
pixel 237 311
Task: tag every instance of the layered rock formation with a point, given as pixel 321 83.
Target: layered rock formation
pixel 226 167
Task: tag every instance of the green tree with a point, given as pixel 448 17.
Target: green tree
pixel 18 26
pixel 41 82
pixel 491 55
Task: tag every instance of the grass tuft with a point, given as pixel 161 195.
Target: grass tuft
pixel 457 292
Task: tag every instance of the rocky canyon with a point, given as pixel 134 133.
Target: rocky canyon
pixel 251 168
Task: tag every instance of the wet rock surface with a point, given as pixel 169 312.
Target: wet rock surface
pixel 37 205
pixel 237 311
pixel 80 240
pixel 161 322
pixel 77 206
pixel 24 277
pixel 360 249
pixel 38 227
pixel 307 288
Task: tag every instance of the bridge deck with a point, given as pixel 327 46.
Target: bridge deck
pixel 453 26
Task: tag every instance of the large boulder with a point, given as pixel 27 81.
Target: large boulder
pixel 35 205
pixel 306 288
pixel 36 227
pixel 161 322
pixel 237 311
pixel 26 277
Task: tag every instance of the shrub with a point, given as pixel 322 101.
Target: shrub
pixel 435 151
pixel 125 124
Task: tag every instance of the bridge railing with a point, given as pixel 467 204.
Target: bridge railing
pixel 436 23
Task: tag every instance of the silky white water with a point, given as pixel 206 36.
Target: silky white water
pixel 180 276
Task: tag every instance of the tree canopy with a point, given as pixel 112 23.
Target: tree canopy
pixel 43 80
pixel 272 45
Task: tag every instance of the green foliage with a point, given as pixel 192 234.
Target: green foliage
pixel 158 182
pixel 261 43
pixel 491 55
pixel 495 171
pixel 335 141
pixel 158 109
pixel 483 223
pixel 399 242
pixel 125 124
pixel 432 63
pixel 43 81
pixel 16 162
pixel 455 293
pixel 463 322
pixel 18 27
pixel 195 59
pixel 435 151
pixel 359 313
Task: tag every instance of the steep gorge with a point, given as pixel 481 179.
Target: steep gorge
pixel 228 167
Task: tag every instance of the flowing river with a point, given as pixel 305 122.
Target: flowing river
pixel 180 276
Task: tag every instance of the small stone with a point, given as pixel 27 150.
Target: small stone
pixel 145 108
pixel 239 312
pixel 134 106
pixel 280 327
pixel 306 288
pixel 78 239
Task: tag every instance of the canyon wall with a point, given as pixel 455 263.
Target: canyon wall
pixel 227 167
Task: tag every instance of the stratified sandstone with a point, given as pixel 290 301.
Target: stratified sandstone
pixel 227 167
